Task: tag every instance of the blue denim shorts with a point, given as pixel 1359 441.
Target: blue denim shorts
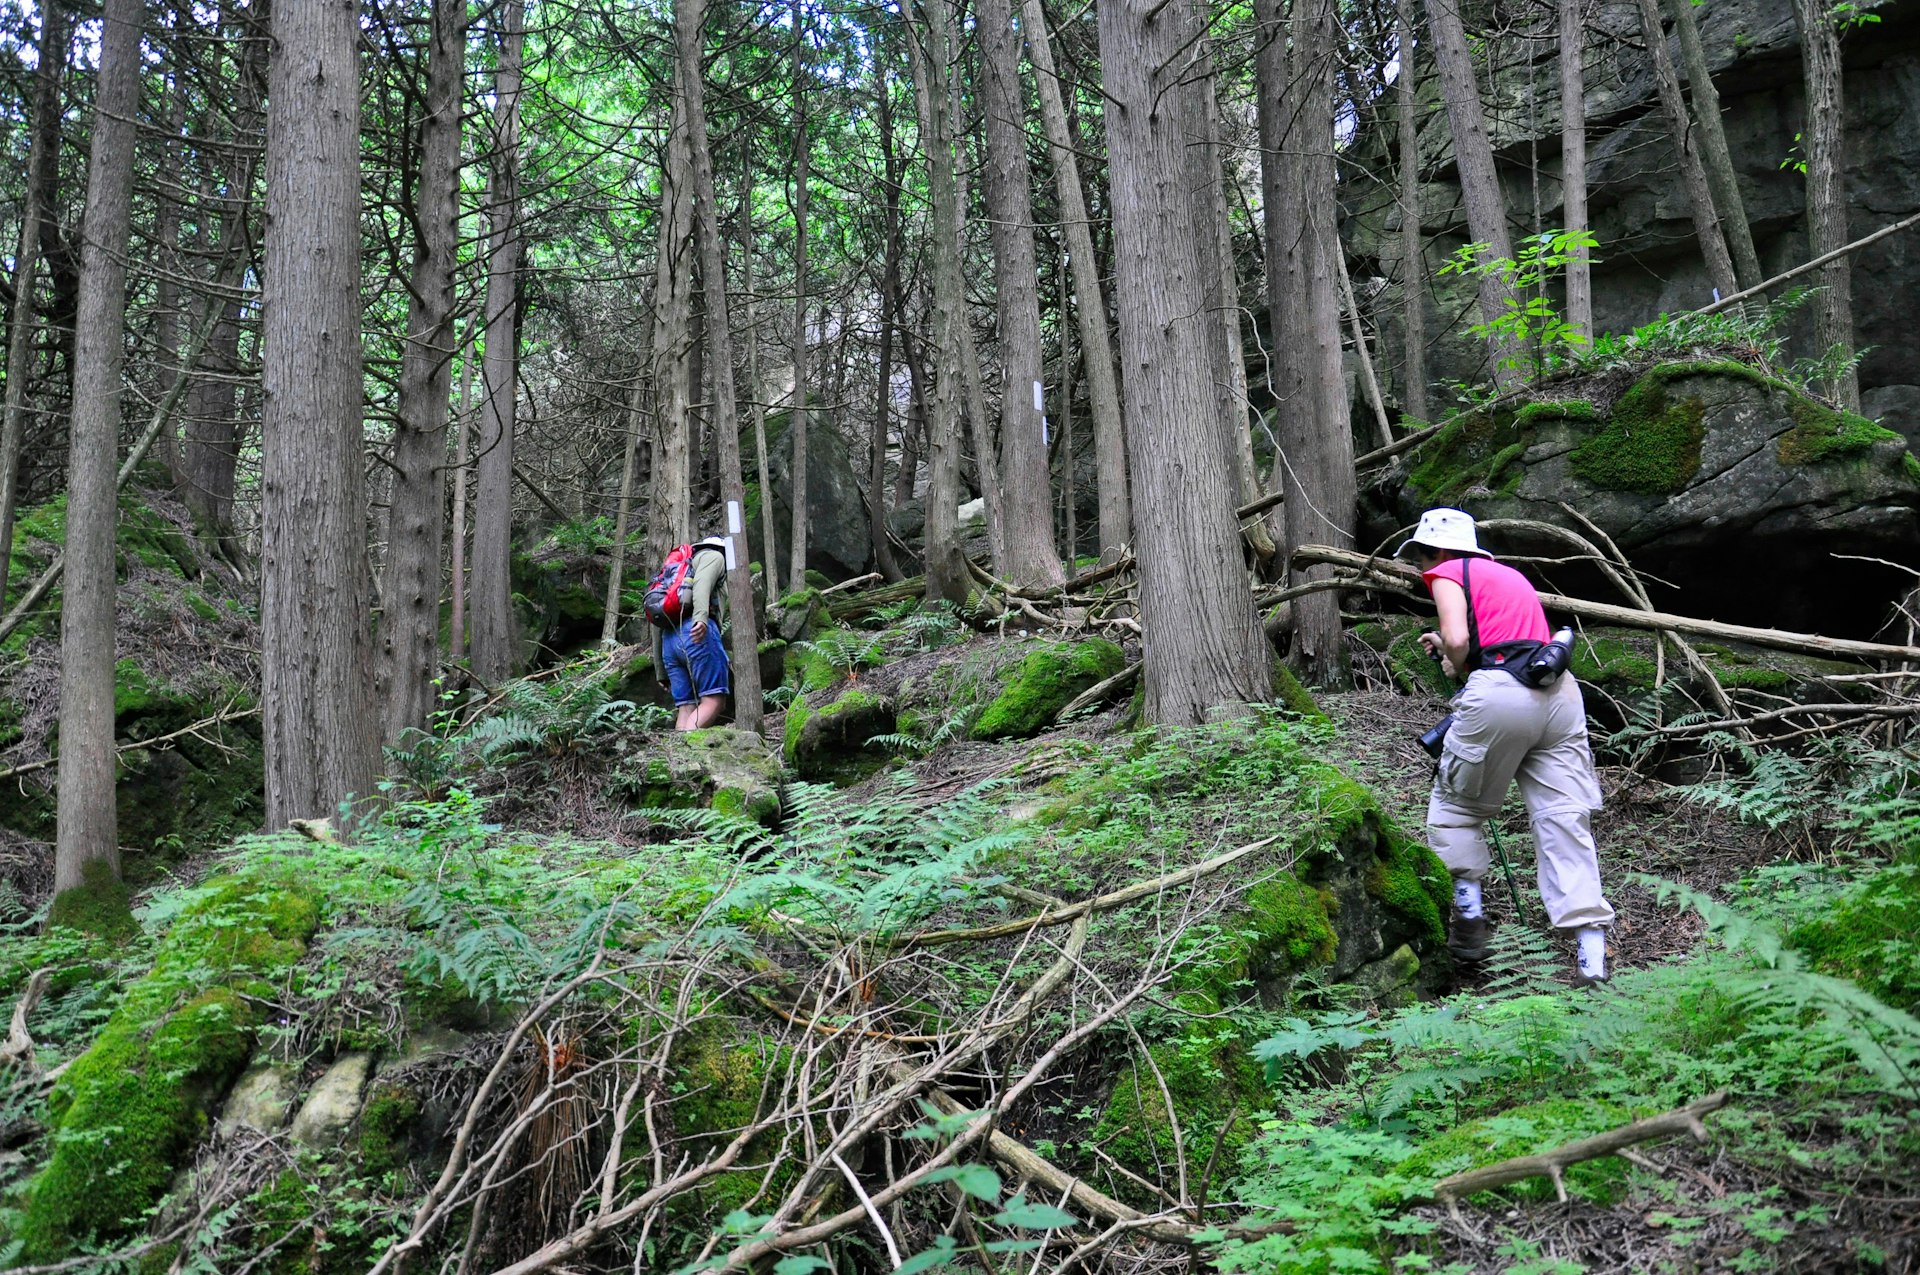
pixel 695 670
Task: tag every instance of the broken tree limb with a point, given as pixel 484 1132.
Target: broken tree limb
pixel 1809 267
pixel 1100 691
pixel 1073 911
pixel 227 714
pixel 539 495
pixel 1552 1164
pixel 1403 577
pixel 19 1046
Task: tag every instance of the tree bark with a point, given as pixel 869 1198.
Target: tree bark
pixel 748 705
pixel 410 623
pixel 1031 557
pixel 947 576
pixel 797 410
pixel 88 831
pixel 1068 496
pixel 1204 650
pixel 457 552
pixel 882 546
pixel 1825 130
pixel 623 514
pixel 1693 177
pixel 670 517
pixel 1090 310
pixel 1296 102
pixel 770 556
pixel 315 656
pixel 491 591
pixel 1713 144
pixel 1479 179
pixel 1413 266
pixel 1573 161
pixel 43 171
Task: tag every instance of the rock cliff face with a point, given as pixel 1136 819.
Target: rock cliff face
pixel 1650 260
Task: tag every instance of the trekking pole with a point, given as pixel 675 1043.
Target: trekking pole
pixel 1513 890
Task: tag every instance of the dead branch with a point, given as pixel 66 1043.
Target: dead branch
pixel 227 714
pixel 1807 267
pixel 1100 691
pixel 1551 1164
pixel 1868 711
pixel 1074 911
pixel 1404 577
pixel 855 583
pixel 19 1046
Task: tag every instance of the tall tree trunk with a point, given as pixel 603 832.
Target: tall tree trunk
pixel 1573 160
pixel 209 448
pixel 1221 279
pixel 1693 177
pixel 889 291
pixel 1479 179
pixel 43 170
pixel 623 513
pixel 410 624
pixel 1096 344
pixel 1413 266
pixel 946 567
pixel 913 429
pixel 1027 496
pixel 1315 436
pixel 1068 496
pixel 797 411
pixel 770 556
pixel 1204 650
pixel 670 517
pixel 166 235
pixel 1825 129
pixel 88 831
pixel 315 652
pixel 748 701
pixel 1713 143
pixel 457 552
pixel 492 633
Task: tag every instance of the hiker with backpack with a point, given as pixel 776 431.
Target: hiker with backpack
pixel 1518 716
pixel 683 602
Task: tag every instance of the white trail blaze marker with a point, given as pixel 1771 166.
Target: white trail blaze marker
pixel 733 529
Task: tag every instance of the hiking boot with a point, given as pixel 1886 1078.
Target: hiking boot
pixel 1467 939
pixel 1583 979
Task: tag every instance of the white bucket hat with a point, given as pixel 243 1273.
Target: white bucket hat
pixel 1445 529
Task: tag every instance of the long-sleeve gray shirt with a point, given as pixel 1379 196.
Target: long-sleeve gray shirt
pixel 709 598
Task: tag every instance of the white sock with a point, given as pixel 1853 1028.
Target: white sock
pixel 1593 950
pixel 1466 898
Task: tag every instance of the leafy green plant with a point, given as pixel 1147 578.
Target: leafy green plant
pixel 1530 323
pixel 556 718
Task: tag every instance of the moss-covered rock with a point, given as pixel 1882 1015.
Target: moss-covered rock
pixel 129 1109
pixel 1209 1076
pixel 1291 695
pixel 719 1080
pixel 1041 685
pixel 830 740
pixel 101 905
pixel 386 1124
pixel 1396 640
pixel 721 768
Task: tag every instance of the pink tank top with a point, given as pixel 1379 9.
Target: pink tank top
pixel 1505 605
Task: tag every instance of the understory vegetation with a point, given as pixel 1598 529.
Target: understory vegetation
pixel 561 1000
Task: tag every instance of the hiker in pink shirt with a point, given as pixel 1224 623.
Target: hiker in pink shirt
pixel 1506 729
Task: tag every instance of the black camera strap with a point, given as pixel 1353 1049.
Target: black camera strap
pixel 1473 625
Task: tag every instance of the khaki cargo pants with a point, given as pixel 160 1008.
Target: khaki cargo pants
pixel 1503 731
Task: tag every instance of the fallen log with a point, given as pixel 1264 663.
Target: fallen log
pixel 1401 577
pixel 1552 1164
pixel 1100 691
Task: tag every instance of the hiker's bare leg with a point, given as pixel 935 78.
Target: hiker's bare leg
pixel 707 711
pixel 683 717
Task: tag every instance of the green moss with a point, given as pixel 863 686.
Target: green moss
pixel 1462 455
pixel 718 1083
pixel 130 1108
pixel 1410 881
pixel 1571 409
pixel 1042 684
pixel 1820 433
pixel 816 580
pixel 1207 1077
pixel 1650 444
pixel 1536 1127
pixel 1910 466
pixel 206 610
pixel 132 691
pixel 1606 659
pixel 1869 936
pixel 1753 679
pixel 797 715
pixel 1288 691
pixel 385 1123
pixel 1397 641
pixel 101 905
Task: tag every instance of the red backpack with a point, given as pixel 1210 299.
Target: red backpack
pixel 666 597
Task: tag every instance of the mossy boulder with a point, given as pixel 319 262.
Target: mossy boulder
pixel 719 768
pixel 1049 676
pixel 798 616
pixel 1395 640
pixel 1687 467
pixel 830 739
pixel 560 589
pixel 101 905
pixel 1209 1076
pixel 128 1111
